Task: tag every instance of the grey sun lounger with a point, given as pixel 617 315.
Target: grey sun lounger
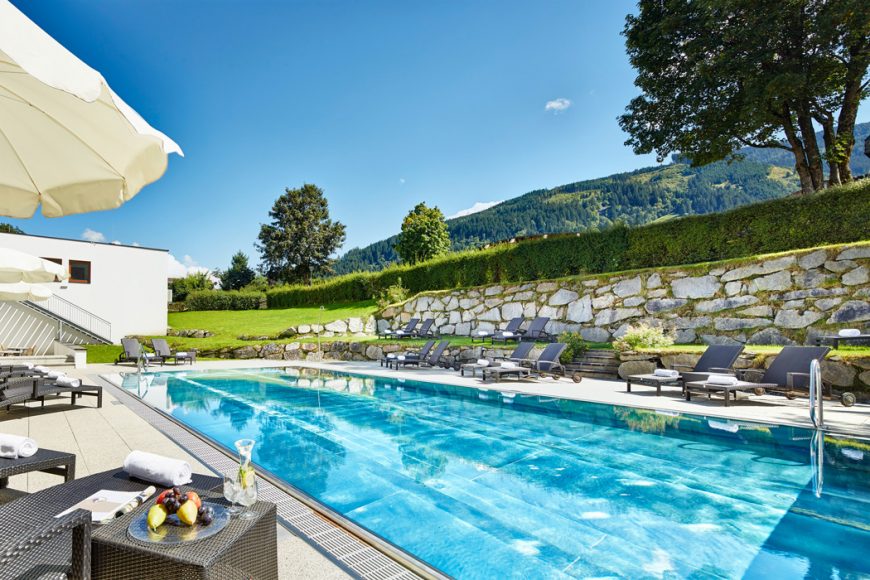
pixel 433 360
pixel 508 333
pixel 425 330
pixel 547 363
pixel 45 387
pixel 408 330
pixel 717 358
pixel 536 330
pixel 412 357
pixel 790 370
pixel 519 356
pixel 132 352
pixel 161 348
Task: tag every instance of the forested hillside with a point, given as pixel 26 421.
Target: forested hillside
pixel 632 198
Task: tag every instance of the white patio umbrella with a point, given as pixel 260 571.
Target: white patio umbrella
pixel 67 140
pixel 17 267
pixel 19 291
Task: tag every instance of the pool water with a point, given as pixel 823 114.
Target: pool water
pixel 483 484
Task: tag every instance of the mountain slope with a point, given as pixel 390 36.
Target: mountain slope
pixel 633 198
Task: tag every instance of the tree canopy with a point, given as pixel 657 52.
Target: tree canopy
pixel 719 75
pixel 300 239
pixel 238 275
pixel 6 228
pixel 424 235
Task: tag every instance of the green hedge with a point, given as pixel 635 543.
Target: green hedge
pixel 838 215
pixel 223 300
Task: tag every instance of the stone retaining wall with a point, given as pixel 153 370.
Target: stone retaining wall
pixel 779 299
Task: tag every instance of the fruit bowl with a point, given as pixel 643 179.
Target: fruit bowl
pixel 172 531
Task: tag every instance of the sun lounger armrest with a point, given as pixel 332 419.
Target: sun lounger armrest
pixel 802 383
pixel 721 371
pixel 751 375
pixel 681 367
pixel 21 545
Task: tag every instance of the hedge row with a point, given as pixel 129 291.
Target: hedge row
pixel 838 215
pixel 222 300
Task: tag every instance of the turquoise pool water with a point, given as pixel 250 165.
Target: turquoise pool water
pixel 482 484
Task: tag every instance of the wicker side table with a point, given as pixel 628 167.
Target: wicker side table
pixel 245 549
pixel 56 462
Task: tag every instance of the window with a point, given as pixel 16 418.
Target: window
pixel 79 272
pixel 55 260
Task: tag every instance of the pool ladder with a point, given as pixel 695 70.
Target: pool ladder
pixel 817 446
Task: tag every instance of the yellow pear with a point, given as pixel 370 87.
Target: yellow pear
pixel 187 512
pixel 156 516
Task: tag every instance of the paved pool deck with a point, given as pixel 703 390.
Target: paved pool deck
pixel 101 438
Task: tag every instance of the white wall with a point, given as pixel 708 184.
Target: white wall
pixel 128 284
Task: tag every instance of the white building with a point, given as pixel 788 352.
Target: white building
pixel 113 291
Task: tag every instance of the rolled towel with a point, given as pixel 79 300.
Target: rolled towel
pixel 849 332
pixel 15 446
pixel 391 355
pixel 400 357
pixel 182 353
pixel 726 380
pixel 66 381
pixel 482 333
pixel 507 333
pixel 28 366
pixel 149 354
pixel 41 369
pixel 669 373
pixel 482 362
pixel 509 364
pixel 157 469
pixel 399 332
pixel 54 374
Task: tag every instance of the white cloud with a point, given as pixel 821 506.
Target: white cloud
pixel 187 265
pixel 116 242
pixel 557 105
pixel 478 206
pixel 401 181
pixel 93 236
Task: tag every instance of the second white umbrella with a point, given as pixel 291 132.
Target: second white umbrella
pixel 23 291
pixel 18 266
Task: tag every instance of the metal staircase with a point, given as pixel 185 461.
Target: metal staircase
pixel 66 313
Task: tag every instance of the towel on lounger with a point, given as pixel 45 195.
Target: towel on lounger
pixel 15 446
pixel 482 333
pixel 41 369
pixel 157 468
pixel 54 374
pixel 507 333
pixel 725 380
pixel 509 365
pixel 669 373
pixel 482 362
pixel 66 381
pixel 849 332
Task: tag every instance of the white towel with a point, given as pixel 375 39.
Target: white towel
pixel 507 333
pixel 181 353
pixel 54 374
pixel 509 364
pixel 400 357
pixel 482 333
pixel 726 380
pixel 391 355
pixel 849 332
pixel 28 366
pixel 15 446
pixel 669 373
pixel 41 369
pixel 66 381
pixel 157 469
pixel 149 354
pixel 482 362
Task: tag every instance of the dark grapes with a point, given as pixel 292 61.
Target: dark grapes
pixel 176 491
pixel 206 519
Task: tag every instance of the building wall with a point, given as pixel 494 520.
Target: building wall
pixel 128 284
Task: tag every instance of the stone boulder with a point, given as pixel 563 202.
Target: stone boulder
pixel 697 287
pixel 628 287
pixel 580 310
pixel 851 311
pixel 562 297
pixel 771 283
pixel 635 367
pixel 796 319
pixel 664 304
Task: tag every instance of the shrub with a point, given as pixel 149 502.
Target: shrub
pixel 182 287
pixel 576 346
pixel 836 215
pixel 391 295
pixel 223 300
pixel 643 336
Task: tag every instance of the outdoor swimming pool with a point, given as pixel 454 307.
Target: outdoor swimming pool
pixel 485 485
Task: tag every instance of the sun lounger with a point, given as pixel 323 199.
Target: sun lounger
pixel 408 330
pixel 518 356
pixel 507 334
pixel 412 357
pixel 432 361
pixel 133 351
pixel 716 359
pixel 788 371
pixel 161 348
pixel 66 384
pixel 425 330
pixel 15 390
pixel 536 330
pixel 546 364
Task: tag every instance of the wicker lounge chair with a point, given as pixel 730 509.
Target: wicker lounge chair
pixel 410 356
pixel 161 348
pixel 76 389
pixel 717 358
pixel 519 355
pixel 408 330
pixel 15 390
pixel 546 364
pixel 536 330
pixel 133 350
pixel 788 372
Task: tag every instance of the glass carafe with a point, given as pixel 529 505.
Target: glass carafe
pixel 247 477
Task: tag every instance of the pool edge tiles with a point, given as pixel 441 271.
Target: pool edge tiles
pixel 431 443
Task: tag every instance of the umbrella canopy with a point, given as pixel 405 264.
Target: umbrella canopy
pixel 17 266
pixel 67 140
pixel 23 291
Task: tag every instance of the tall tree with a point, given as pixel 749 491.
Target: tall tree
pixel 238 275
pixel 722 74
pixel 299 241
pixel 424 235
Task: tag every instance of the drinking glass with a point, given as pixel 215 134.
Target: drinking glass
pixel 231 493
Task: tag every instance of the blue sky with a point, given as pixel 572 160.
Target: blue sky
pixel 382 104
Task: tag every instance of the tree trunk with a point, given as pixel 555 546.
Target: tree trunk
pixel 800 156
pixel 826 120
pixel 811 146
pixel 846 126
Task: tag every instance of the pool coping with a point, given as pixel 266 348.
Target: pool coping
pixel 353 548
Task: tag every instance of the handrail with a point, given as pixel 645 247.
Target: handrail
pixel 816 398
pixel 75 314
